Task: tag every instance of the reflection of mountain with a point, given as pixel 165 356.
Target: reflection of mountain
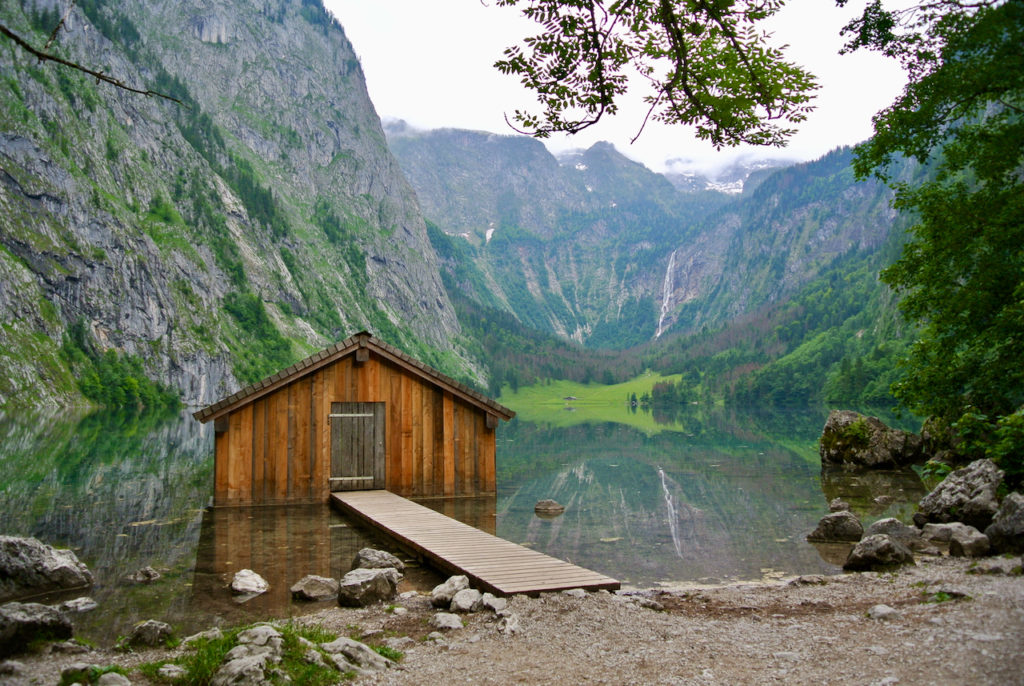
pixel 714 505
pixel 121 491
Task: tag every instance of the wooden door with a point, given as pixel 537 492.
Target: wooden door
pixel 357 446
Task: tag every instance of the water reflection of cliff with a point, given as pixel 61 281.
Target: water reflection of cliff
pixel 121 490
pixel 127 491
pixel 708 504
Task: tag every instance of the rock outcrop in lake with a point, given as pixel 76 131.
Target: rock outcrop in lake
pixel 28 566
pixel 838 526
pixel 855 441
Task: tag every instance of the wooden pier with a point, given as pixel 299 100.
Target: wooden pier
pixel 491 563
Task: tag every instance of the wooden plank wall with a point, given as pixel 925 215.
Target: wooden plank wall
pixel 277 449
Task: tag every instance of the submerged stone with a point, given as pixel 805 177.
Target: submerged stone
pixel 837 526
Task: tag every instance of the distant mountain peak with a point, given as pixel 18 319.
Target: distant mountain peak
pixel 688 177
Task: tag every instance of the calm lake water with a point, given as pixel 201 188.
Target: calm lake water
pixel 713 495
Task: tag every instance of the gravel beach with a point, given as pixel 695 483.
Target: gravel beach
pixel 940 624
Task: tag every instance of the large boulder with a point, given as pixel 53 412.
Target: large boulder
pixel 1006 533
pixel 315 588
pixel 837 526
pixel 878 552
pixel 28 566
pixel 966 495
pixel 362 587
pixel 22 623
pixel 371 558
pixel 855 441
pixel 968 542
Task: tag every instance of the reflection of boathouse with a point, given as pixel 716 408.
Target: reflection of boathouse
pixel 358 415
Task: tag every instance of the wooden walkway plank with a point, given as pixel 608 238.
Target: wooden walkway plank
pixel 491 563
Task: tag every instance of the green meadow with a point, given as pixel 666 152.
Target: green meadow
pixel 546 403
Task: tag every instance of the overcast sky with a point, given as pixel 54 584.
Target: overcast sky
pixel 430 62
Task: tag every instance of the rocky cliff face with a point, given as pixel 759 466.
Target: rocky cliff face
pixel 174 232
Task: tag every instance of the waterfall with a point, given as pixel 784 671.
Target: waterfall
pixel 666 294
pixel 673 520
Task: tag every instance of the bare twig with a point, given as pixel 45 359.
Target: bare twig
pixel 60 25
pixel 44 56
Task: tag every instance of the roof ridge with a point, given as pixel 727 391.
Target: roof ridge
pixel 317 359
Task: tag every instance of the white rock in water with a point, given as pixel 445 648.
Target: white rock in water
pixel 82 604
pixel 247 581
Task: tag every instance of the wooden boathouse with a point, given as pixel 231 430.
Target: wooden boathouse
pixel 358 415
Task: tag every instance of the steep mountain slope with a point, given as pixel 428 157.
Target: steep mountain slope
pixel 605 252
pixel 215 240
pixel 570 247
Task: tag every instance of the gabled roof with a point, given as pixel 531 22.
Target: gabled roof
pixel 331 354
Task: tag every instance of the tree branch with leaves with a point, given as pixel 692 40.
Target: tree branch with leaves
pixel 961 274
pixel 707 64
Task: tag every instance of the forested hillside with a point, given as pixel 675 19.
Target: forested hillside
pixel 603 251
pixel 770 296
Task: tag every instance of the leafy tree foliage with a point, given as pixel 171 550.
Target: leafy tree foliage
pixel 265 350
pixel 112 379
pixel 961 276
pixel 708 64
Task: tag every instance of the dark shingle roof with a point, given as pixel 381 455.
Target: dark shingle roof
pixel 335 352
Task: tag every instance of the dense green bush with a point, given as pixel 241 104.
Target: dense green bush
pixel 110 378
pixel 261 350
